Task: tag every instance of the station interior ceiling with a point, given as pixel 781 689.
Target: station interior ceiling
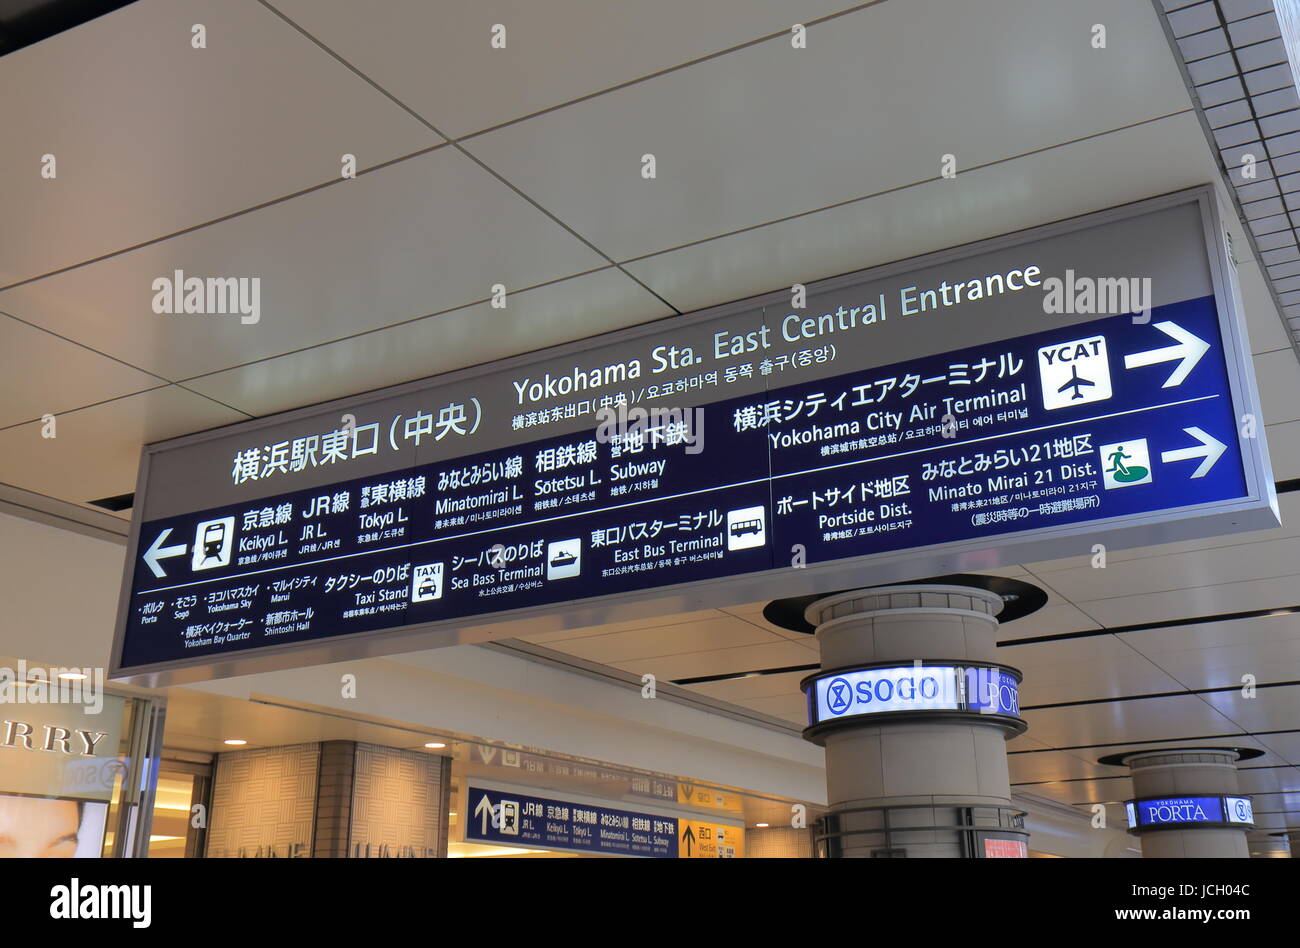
pixel 775 165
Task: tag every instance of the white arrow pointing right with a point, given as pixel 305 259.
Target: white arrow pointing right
pixel 157 552
pixel 1210 448
pixel 1190 348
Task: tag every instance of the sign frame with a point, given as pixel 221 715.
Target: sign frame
pixel 1257 510
pixel 1138 828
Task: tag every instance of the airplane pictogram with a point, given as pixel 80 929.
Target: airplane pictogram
pixel 1076 383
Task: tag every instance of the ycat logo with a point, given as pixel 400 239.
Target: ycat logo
pixel 1074 373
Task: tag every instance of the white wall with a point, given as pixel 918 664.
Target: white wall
pixel 58 594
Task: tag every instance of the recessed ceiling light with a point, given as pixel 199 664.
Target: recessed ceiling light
pixel 435 745
pixel 761 826
pixel 234 742
pixel 72 676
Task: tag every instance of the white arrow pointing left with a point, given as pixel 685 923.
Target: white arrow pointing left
pixel 1210 448
pixel 1190 348
pixel 157 552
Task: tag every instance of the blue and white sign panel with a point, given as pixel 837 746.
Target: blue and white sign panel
pixel 1015 399
pixel 912 688
pixel 1174 811
pixel 1239 810
pixel 515 819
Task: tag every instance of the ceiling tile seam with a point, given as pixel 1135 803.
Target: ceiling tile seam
pixel 101 402
pixel 1159 741
pixel 249 416
pixel 1179 589
pixel 212 222
pixel 1212 139
pixel 537 205
pixel 369 169
pixel 1152 626
pixel 608 268
pixel 81 345
pixel 748 44
pixel 1187 690
pixel 903 187
pixel 1223 52
pixel 612 263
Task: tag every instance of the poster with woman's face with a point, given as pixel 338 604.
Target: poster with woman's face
pixel 44 828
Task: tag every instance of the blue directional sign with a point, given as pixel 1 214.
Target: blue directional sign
pixel 962 412
pixel 509 818
pixel 1165 812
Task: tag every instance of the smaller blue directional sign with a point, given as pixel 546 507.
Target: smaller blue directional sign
pixel 508 818
pixel 1179 811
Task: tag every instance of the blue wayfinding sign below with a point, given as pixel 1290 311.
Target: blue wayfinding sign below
pixel 515 819
pixel 1010 443
pixel 813 465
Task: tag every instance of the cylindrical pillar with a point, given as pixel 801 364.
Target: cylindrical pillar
pixel 914 711
pixel 1188 804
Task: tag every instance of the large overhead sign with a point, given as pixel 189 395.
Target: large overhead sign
pixel 1021 398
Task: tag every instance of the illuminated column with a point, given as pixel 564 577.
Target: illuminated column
pixel 1187 803
pixel 914 713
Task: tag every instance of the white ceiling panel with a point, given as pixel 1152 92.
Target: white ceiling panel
pixel 983 202
pixel 1217 565
pixel 1053 765
pixel 790 707
pixel 770 131
pixel 534 319
pixel 439 60
pixel 1095 671
pixel 1153 719
pixel 151 135
pixel 1258 632
pixel 1284 449
pixel 1278 375
pixel 773 654
pixel 1288 510
pixel 1050 620
pixel 1287 748
pixel 710 634
pixel 1214 599
pixel 1269 709
pixel 646 622
pixel 363 255
pixel 1226 666
pixel 1266 331
pixel 41 373
pixel 741 690
pixel 97 450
